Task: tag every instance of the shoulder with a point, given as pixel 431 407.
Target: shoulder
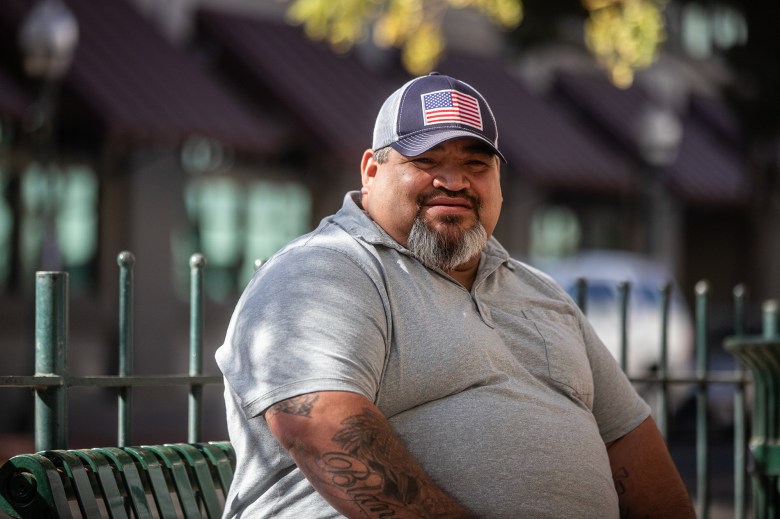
pixel 329 249
pixel 536 279
pixel 325 265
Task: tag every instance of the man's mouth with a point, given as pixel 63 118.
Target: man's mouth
pixel 446 201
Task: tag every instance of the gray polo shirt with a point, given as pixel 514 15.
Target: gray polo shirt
pixel 504 394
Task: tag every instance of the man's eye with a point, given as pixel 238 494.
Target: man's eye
pixel 423 160
pixel 476 163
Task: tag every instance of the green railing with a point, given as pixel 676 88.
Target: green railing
pixel 52 380
pixel 761 354
pixel 701 377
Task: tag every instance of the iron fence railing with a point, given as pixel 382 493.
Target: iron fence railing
pixel 52 381
pixel 702 378
pixel 761 354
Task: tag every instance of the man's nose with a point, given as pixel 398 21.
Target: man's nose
pixel 451 179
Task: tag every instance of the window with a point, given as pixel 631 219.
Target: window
pixel 555 232
pixel 59 222
pixel 707 28
pixel 233 224
pixel 56 223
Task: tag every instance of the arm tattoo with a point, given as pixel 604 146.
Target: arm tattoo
pixel 297 405
pixel 366 470
pixel 620 478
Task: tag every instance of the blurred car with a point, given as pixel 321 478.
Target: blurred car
pixel 604 271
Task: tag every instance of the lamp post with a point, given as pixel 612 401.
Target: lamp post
pixel 47 39
pixel 659 134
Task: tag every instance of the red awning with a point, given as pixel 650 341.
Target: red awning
pixel 710 167
pixel 332 98
pixel 335 99
pixel 141 88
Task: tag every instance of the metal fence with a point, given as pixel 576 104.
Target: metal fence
pixel 52 381
pixel 703 379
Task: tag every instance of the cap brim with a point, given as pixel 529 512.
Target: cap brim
pixel 416 144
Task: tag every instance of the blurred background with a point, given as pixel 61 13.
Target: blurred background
pixel 640 129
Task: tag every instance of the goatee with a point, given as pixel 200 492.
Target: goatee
pixel 446 249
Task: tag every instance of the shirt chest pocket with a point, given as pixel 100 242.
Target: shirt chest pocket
pixel 555 350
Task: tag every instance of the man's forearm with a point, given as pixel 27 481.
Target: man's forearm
pixel 358 463
pixel 646 480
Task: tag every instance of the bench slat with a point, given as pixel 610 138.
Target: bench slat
pixel 112 497
pixel 202 469
pixel 82 486
pixel 184 491
pixel 159 486
pixel 133 483
pixel 223 464
pixel 119 482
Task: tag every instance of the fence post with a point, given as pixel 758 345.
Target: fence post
pixel 624 291
pixel 702 290
pixel 126 260
pixel 197 265
pixel 663 361
pixel 740 405
pixel 51 347
pixel 761 354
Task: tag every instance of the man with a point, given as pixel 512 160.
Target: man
pixel 397 363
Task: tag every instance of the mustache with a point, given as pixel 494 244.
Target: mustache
pixel 473 199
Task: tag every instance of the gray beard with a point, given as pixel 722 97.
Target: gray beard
pixel 443 250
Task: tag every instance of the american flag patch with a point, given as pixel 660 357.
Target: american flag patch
pixel 451 106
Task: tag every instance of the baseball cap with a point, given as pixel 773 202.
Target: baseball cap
pixel 431 109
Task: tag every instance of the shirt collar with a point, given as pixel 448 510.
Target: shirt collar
pixel 355 220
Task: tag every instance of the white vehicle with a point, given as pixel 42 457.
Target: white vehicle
pixel 603 272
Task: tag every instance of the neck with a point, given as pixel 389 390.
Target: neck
pixel 466 273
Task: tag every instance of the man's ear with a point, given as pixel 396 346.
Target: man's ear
pixel 368 168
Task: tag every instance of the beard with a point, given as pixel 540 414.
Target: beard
pixel 448 248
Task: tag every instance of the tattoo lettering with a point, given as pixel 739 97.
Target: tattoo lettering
pixel 368 473
pixel 619 478
pixel 360 482
pixel 297 406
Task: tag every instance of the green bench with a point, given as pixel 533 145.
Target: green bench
pixel 188 480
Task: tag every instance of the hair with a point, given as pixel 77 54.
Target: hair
pixel 382 154
pixel 437 249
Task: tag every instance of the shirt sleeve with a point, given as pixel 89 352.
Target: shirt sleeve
pixel 312 319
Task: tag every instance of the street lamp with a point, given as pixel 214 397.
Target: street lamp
pixel 47 39
pixel 659 134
